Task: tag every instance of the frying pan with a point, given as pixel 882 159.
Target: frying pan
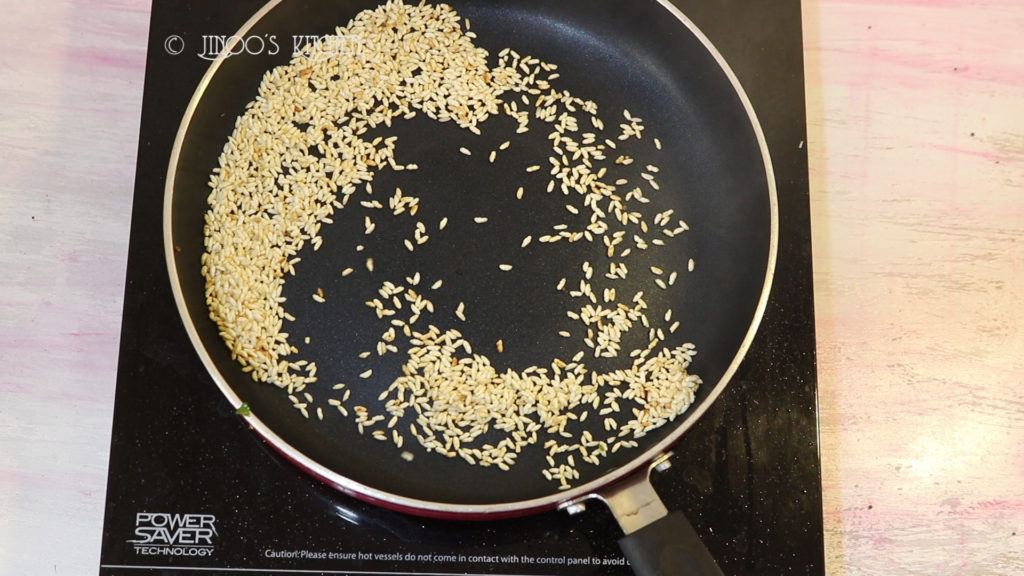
pixel 642 56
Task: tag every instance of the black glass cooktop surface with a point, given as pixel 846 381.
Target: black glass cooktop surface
pixel 192 489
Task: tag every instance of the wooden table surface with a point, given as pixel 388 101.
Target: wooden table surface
pixel 916 143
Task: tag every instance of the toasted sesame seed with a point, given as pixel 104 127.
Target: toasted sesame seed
pixel 581 166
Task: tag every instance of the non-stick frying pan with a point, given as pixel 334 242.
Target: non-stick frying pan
pixel 643 56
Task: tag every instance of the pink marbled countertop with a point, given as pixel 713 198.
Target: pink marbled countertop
pixel 916 142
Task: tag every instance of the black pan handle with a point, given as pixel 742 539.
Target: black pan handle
pixel 657 543
pixel 668 547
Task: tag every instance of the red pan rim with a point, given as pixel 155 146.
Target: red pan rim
pixel 468 511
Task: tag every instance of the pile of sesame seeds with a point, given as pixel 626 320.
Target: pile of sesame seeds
pixel 300 153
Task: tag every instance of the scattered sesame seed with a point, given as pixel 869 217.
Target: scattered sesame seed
pixel 579 167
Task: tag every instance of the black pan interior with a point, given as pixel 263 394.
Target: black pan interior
pixel 622 55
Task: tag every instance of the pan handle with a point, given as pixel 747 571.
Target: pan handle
pixel 668 546
pixel 656 542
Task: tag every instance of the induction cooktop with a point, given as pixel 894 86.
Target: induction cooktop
pixel 192 490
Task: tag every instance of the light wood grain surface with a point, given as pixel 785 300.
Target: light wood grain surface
pixel 916 142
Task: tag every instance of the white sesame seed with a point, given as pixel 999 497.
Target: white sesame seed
pixel 581 167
